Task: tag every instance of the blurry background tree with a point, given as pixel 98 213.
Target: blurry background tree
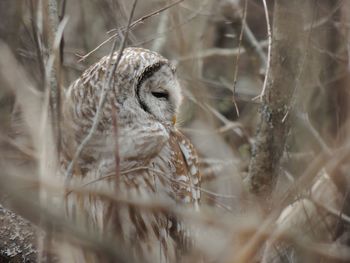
pixel 221 49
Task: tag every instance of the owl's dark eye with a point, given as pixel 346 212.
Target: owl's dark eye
pixel 160 94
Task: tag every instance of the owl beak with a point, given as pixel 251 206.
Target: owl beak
pixel 174 120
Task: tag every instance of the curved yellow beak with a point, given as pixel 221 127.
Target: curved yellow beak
pixel 174 120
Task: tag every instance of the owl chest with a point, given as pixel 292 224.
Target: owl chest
pixel 154 177
pixel 164 176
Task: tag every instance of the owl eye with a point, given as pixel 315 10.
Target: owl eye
pixel 160 94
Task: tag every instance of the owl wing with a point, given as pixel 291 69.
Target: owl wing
pixel 187 172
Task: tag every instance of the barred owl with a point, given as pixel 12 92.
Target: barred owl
pixel 136 132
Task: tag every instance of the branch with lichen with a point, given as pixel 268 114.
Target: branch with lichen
pixel 284 73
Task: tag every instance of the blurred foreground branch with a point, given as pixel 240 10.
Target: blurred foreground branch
pixel 53 64
pixel 313 220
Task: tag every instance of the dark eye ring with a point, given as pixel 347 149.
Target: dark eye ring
pixel 160 94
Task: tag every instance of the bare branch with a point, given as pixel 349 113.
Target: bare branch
pixel 279 86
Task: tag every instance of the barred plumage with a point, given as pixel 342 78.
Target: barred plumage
pixel 157 162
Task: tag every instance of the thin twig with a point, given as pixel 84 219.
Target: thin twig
pixel 325 19
pixel 116 142
pixel 105 89
pixel 314 132
pixel 228 124
pixel 38 45
pixel 238 56
pixel 256 46
pixel 132 25
pixel 165 176
pixel 170 29
pixel 269 37
pixel 27 151
pixel 62 44
pixel 158 45
pixel 217 52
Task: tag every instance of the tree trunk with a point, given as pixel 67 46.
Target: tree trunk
pixel 282 81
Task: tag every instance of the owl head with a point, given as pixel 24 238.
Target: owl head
pixel 144 87
pixel 158 92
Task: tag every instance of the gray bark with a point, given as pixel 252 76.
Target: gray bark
pixel 286 53
pixel 17 238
